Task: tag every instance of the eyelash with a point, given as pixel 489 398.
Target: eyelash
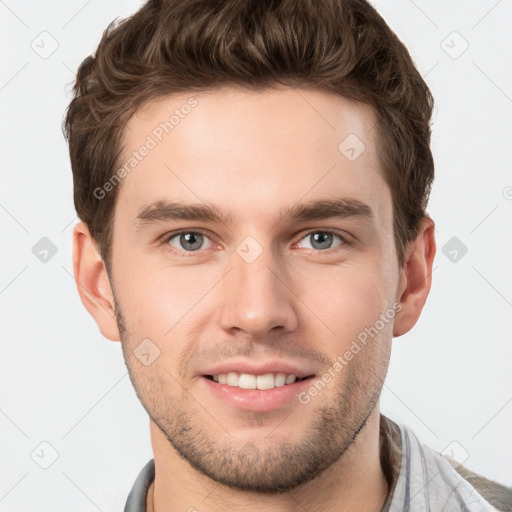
pixel 165 239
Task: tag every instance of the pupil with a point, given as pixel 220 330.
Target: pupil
pixel 193 239
pixel 324 239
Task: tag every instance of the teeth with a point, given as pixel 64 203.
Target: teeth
pixel 249 381
pixel 289 379
pixel 266 381
pixel 280 380
pixel 233 379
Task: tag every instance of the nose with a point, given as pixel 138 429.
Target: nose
pixel 256 297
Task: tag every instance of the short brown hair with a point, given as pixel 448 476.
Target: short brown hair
pixel 176 46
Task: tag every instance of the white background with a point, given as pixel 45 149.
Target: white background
pixel 63 383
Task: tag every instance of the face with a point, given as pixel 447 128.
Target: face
pixel 252 255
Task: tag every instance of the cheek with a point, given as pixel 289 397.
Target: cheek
pixel 343 301
pixel 333 302
pixel 156 298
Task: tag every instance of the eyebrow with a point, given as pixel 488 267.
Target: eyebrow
pixel 340 208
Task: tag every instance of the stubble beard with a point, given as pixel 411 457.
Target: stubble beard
pixel 263 467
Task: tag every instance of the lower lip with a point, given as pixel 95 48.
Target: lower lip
pixel 255 399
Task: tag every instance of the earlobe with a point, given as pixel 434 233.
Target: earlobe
pixel 92 282
pixel 416 277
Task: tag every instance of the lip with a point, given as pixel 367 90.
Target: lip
pixel 255 400
pixel 269 366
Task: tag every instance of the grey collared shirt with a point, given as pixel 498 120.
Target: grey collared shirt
pixel 426 483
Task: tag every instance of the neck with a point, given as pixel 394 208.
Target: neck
pixel 355 482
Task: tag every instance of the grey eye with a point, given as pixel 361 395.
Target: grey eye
pixel 189 241
pixel 322 240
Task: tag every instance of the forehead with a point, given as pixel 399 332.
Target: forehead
pixel 253 152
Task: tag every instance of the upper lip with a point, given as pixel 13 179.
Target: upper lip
pixel 259 368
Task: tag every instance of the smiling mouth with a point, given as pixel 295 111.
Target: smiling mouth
pixel 250 381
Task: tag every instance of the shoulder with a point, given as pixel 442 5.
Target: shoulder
pixel 426 480
pixel 498 495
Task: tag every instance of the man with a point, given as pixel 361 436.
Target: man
pixel 252 180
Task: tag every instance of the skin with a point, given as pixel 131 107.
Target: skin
pixel 254 155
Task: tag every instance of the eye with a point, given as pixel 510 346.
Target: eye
pixel 322 240
pixel 188 241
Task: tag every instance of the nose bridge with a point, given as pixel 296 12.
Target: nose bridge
pixel 254 297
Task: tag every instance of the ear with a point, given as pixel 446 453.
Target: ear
pixel 415 277
pixel 92 282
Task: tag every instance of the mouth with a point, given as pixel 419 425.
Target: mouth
pixel 251 381
pixel 260 391
pixel 256 385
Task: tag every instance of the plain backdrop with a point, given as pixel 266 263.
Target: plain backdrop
pixel 66 401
